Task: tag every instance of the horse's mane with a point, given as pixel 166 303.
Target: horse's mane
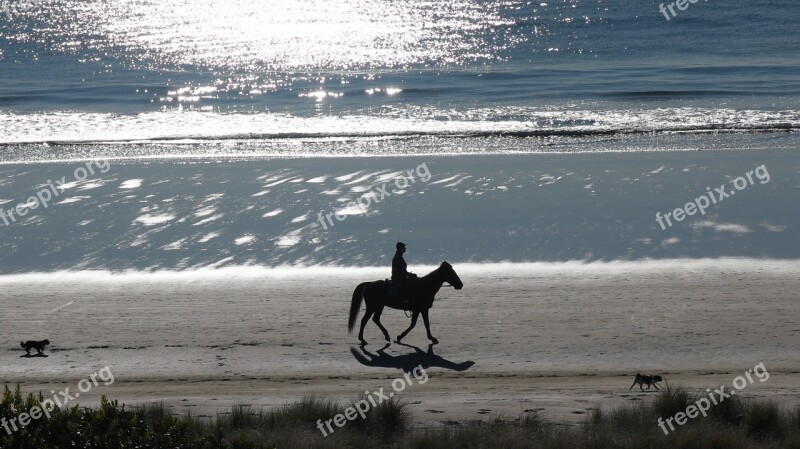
pixel 436 271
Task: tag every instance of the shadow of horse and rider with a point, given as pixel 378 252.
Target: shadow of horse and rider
pixel 406 362
pixel 416 299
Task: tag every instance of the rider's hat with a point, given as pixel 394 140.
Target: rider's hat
pixel 400 245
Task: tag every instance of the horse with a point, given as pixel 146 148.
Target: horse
pixel 376 296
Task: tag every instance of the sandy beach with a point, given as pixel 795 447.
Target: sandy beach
pixel 191 191
pixel 559 338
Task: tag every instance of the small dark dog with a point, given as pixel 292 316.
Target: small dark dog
pixel 37 345
pixel 645 379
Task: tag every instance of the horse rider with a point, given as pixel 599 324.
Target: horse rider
pixel 400 274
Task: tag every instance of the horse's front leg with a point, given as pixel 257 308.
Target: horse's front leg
pixel 428 326
pixel 414 317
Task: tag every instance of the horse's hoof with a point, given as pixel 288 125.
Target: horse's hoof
pixel 434 341
pixel 363 342
pixel 398 339
pixel 388 339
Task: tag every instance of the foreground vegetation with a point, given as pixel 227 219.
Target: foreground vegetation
pixel 732 424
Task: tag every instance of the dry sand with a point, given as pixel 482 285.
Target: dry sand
pixel 558 338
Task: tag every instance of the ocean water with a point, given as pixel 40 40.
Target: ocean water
pixel 205 108
pixel 133 73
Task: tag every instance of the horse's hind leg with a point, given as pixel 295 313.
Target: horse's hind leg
pixel 377 319
pixel 364 322
pixel 414 317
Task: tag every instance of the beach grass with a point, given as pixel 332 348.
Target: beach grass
pixel 733 423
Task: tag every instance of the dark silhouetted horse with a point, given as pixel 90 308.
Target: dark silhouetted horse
pixel 376 296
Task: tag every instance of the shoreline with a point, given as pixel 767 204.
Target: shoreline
pixel 301 271
pixel 393 147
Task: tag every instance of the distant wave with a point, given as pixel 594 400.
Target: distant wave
pixel 661 94
pixel 175 127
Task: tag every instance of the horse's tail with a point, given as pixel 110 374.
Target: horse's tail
pixel 355 305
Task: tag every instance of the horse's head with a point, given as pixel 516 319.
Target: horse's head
pixel 450 276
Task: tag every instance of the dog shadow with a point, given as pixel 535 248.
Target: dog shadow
pixel 407 362
pixel 28 356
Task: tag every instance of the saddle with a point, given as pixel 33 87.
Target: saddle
pixel 395 290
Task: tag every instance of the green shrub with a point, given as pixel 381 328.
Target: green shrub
pixel 732 425
pixel 672 400
pixel 763 419
pixel 729 412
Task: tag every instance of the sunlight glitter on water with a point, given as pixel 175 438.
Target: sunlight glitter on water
pixel 287 36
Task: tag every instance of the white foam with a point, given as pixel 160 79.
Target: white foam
pixel 153 220
pixel 131 184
